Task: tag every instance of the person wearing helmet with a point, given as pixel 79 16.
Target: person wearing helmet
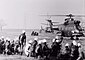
pixel 81 53
pixel 34 44
pixel 67 47
pixel 12 44
pixel 66 55
pixel 74 51
pixel 38 50
pixel 7 47
pixel 45 48
pixel 28 48
pixel 44 41
pixel 54 40
pixel 2 45
pixel 54 50
pixel 22 40
pixel 59 45
pixel 59 39
pixel 2 40
pixel 17 48
pixel 74 43
pixel 56 47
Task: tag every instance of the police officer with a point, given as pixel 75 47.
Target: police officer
pixel 22 40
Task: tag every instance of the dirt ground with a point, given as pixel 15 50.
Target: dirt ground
pixel 15 57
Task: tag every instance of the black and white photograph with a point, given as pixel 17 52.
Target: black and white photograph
pixel 42 29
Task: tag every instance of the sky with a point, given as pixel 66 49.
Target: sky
pixel 20 14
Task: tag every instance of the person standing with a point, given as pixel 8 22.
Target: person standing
pixel 22 40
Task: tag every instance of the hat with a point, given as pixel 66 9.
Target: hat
pixel 2 37
pixel 53 40
pixel 56 37
pixel 44 40
pixel 66 44
pixel 74 43
pixel 57 40
pixel 30 41
pixel 36 38
pixel 79 44
pixel 72 31
pixel 40 41
pixel 8 39
pixel 26 51
pixel 23 31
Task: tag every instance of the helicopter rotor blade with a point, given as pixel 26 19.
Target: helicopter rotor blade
pixel 70 15
pixel 79 15
pixel 55 22
pixel 55 15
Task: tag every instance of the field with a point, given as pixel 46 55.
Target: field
pixel 49 36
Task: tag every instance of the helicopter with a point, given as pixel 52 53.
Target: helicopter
pixel 49 28
pixel 70 28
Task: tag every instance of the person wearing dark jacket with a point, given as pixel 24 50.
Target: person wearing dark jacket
pixel 22 41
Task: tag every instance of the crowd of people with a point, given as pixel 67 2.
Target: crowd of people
pixel 11 47
pixel 7 47
pixel 39 49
